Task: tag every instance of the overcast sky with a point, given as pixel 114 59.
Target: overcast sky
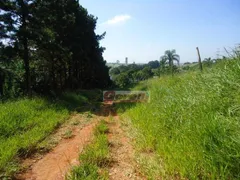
pixel 143 29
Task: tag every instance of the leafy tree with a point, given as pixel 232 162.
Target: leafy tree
pixel 122 80
pixel 147 73
pixel 144 74
pixel 114 71
pixel 154 64
pixel 123 68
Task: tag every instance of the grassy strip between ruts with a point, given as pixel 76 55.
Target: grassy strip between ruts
pixel 26 122
pixel 95 158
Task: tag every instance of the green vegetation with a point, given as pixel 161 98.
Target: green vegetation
pixel 95 157
pixel 169 57
pixel 26 122
pixel 190 129
pixel 49 47
pixel 126 75
pixel 101 129
pixel 68 134
pixel 84 172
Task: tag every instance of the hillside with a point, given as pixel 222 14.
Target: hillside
pixel 190 128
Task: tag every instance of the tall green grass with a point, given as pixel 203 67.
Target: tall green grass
pixel 26 122
pixel 192 124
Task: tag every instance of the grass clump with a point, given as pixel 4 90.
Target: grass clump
pixel 95 157
pixel 68 134
pixel 192 123
pixel 98 152
pixel 102 128
pixel 84 172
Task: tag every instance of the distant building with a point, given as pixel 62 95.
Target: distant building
pixel 126 61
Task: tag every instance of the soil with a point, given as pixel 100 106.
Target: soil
pixel 55 164
pixel 123 167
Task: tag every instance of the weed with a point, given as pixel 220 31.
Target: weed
pixel 89 115
pixel 84 172
pixel 101 128
pixel 68 134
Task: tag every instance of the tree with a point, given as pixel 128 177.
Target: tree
pixel 147 73
pixel 122 80
pixel 171 56
pixel 162 64
pixel 70 47
pixel 57 43
pixel 114 71
pixel 15 27
pixel 154 64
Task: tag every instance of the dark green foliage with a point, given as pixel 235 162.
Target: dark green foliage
pixel 49 46
pixel 146 73
pixel 170 56
pixel 122 80
pixel 154 64
pixel 125 75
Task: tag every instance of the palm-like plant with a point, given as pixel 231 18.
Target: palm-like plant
pixel 170 56
pixel 162 65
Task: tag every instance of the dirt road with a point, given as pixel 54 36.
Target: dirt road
pixel 55 164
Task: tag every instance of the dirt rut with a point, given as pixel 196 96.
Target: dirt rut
pixel 122 153
pixel 55 164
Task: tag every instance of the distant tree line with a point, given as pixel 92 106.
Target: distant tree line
pixel 123 75
pixel 49 46
pixel 169 64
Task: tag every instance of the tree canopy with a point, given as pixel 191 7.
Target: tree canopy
pixel 50 46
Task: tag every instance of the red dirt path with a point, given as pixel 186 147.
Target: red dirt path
pixel 55 164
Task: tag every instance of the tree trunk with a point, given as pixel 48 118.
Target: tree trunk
pixel 25 47
pixel 27 67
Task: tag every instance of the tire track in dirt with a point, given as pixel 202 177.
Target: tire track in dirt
pixel 58 162
pixel 123 166
pixel 55 164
